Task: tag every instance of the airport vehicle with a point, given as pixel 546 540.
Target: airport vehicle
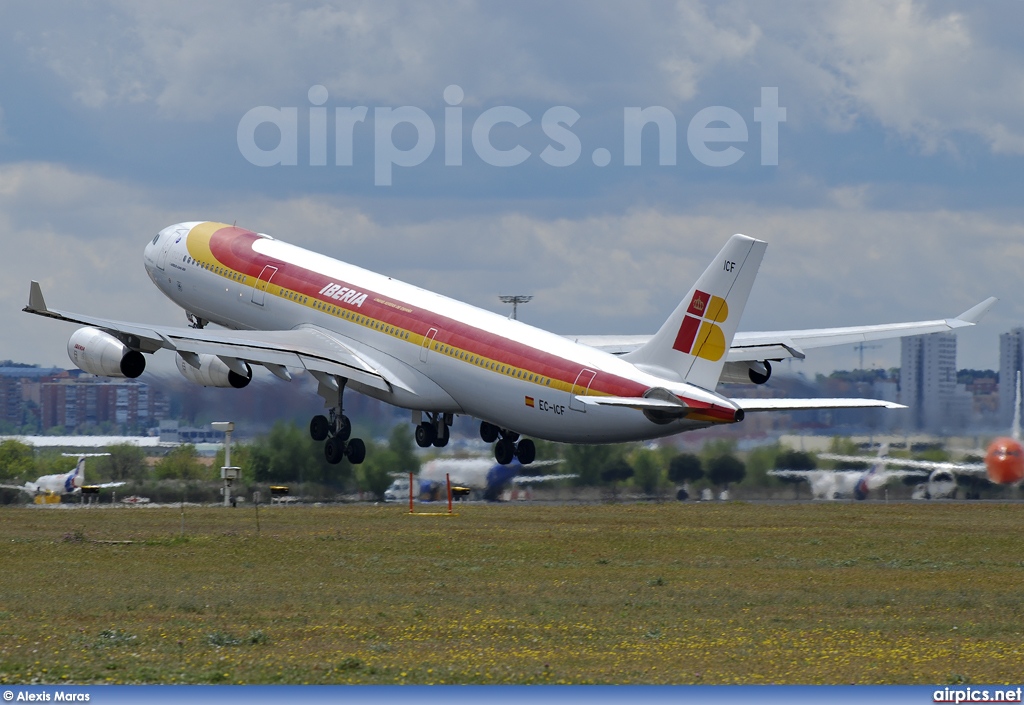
pixel 284 307
pixel 1003 463
pixel 480 476
pixel 845 484
pixel 54 486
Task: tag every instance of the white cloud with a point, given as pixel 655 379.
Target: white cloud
pixel 924 73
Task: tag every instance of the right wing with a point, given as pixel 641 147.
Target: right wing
pixel 307 347
pixel 779 345
pixel 922 465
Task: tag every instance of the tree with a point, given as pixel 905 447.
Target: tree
pixel 125 462
pixel 617 471
pixel 587 462
pixel 649 470
pixel 17 460
pixel 726 469
pixel 375 473
pixel 795 460
pixel 685 467
pixel 181 463
pixel 400 443
pixel 288 454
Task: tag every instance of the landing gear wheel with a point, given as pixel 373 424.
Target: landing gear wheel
pixel 504 451
pixel 425 435
pixel 334 450
pixel 441 439
pixel 319 427
pixel 344 428
pixel 526 451
pixel 488 432
pixel 511 436
pixel 355 451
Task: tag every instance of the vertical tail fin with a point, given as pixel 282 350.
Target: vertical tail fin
pixel 79 476
pixel 693 343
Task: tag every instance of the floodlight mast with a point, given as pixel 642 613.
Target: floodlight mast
pixel 515 300
pixel 227 472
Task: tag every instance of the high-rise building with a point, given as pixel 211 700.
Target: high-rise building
pixel 928 384
pixel 1011 352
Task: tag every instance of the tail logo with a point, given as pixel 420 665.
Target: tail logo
pixel 698 335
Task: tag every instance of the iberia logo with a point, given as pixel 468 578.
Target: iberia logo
pixel 698 335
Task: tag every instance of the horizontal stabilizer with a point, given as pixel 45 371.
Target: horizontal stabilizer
pixel 798 404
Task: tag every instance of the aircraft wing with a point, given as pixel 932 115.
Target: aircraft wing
pixel 779 345
pixel 105 485
pixel 304 347
pixel 921 465
pixel 23 488
pixel 798 404
pixel 525 479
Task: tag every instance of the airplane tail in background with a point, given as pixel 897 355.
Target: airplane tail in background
pixel 76 478
pixel 693 343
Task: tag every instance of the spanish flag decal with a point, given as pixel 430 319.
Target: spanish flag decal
pixel 529 402
pixel 698 335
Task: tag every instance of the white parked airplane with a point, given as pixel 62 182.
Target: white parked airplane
pixel 845 484
pixel 287 307
pixel 62 483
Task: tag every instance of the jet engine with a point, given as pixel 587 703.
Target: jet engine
pixel 746 372
pixel 211 371
pixel 100 353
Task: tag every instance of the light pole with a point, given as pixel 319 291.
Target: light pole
pixel 228 473
pixel 515 300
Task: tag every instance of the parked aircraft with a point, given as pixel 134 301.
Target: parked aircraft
pixel 1003 465
pixel 843 484
pixel 62 483
pixel 480 475
pixel 286 307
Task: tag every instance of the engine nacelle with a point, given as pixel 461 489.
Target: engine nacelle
pixel 746 372
pixel 100 353
pixel 212 372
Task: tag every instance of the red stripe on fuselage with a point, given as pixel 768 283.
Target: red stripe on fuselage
pixel 232 246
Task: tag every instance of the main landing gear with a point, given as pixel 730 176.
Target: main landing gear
pixel 434 431
pixel 336 430
pixel 507 444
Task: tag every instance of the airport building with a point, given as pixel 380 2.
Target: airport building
pixel 1011 361
pixel 936 403
pixel 43 398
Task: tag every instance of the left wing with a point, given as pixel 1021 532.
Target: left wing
pixel 307 347
pixel 779 345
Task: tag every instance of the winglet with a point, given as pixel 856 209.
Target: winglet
pixel 36 304
pixel 974 314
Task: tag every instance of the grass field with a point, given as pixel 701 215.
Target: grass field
pixel 632 593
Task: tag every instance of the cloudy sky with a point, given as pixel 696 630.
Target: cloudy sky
pixel 896 194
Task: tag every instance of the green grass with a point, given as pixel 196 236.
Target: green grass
pixel 667 593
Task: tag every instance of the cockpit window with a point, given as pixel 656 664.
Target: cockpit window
pixel 156 237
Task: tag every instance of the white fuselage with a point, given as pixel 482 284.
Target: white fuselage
pixel 450 357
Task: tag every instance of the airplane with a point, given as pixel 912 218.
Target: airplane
pixel 285 307
pixel 841 484
pixel 1003 463
pixel 481 475
pixel 62 483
